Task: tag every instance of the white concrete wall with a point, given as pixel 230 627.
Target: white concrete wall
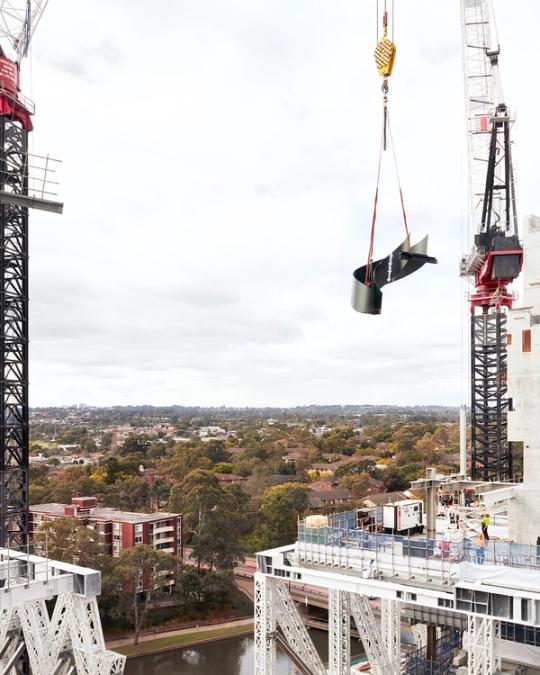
pixel 524 388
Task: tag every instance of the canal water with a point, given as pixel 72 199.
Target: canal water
pixel 228 657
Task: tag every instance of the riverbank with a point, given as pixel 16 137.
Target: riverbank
pixel 188 637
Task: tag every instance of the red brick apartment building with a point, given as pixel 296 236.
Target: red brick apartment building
pixel 120 529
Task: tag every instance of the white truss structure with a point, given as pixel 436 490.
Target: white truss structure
pixel 484 635
pixel 294 629
pixel 476 595
pixel 482 91
pixel 339 633
pixel 265 627
pixel 71 639
pixel 18 22
pixel 370 634
pixel 391 633
pixel 274 607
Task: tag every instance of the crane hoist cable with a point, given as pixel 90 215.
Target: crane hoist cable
pixel 406 258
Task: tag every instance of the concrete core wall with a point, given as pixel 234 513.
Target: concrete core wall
pixel 524 388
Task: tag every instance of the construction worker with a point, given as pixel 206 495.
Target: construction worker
pixel 485 525
pixel 480 549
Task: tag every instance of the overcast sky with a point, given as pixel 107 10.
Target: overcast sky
pixel 219 162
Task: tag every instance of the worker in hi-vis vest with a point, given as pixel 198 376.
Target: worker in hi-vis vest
pixel 480 549
pixel 485 525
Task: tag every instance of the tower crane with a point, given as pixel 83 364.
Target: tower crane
pixel 18 173
pixel 496 257
pixel 69 638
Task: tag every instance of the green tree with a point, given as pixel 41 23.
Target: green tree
pixel 215 451
pixel 280 509
pixel 358 483
pixel 137 581
pixel 223 468
pixel 131 494
pixel 393 479
pixel 214 518
pixel 67 540
pixel 428 450
pixel 354 468
pixel 106 440
pixel 134 444
pixel 185 458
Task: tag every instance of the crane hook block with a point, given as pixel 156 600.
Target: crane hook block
pixel 404 260
pixel 385 55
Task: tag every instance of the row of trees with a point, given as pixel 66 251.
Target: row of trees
pixel 222 524
pixel 122 598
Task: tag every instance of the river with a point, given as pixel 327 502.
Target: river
pixel 228 657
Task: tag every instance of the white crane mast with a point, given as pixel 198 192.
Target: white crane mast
pixel 483 92
pixel 18 21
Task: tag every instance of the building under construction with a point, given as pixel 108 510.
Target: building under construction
pixel 474 596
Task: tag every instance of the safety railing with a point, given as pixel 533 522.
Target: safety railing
pixel 22 568
pixel 41 175
pixel 408 555
pixel 19 100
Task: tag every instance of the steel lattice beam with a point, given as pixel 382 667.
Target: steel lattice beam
pixel 370 634
pixel 339 633
pixel 294 630
pixel 265 627
pixel 14 334
pixel 480 89
pixel 484 634
pixel 74 628
pixel 391 632
pixel 491 455
pixel 18 21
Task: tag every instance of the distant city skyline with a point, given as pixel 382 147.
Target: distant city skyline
pixel 218 180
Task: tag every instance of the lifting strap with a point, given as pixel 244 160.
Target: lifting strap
pixel 386 124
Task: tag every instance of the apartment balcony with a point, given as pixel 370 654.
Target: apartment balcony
pixel 163 540
pixel 161 530
pixel 165 550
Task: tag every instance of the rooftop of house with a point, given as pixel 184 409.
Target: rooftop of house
pixel 332 466
pixel 322 484
pixel 318 499
pixel 386 498
pixel 129 517
pixel 278 479
pixel 294 455
pixel 235 451
pixel 230 478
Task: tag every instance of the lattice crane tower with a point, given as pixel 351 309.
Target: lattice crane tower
pixel 19 178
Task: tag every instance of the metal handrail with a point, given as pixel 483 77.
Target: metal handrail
pixel 504 554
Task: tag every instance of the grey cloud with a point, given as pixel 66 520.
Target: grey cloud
pixel 110 52
pixel 75 67
pixel 197 297
pixel 254 147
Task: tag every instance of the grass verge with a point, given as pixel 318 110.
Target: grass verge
pixel 185 639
